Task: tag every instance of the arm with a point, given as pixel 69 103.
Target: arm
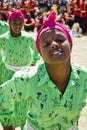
pixel 7 104
pixel 11 102
pixel 8 128
pixel 35 54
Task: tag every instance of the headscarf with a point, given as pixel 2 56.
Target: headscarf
pixel 15 14
pixel 50 23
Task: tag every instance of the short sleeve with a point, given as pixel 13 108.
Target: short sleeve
pixel 35 55
pixel 13 102
pixel 7 100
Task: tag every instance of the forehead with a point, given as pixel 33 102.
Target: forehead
pixel 16 20
pixel 53 32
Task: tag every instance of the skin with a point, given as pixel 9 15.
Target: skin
pixel 8 128
pixel 16 26
pixel 55 51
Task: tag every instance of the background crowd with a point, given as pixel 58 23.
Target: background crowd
pixel 68 12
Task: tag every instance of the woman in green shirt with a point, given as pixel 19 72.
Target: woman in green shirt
pixel 17 47
pixel 4 27
pixel 49 96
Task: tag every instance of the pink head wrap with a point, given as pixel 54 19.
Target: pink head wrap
pixel 15 14
pixel 50 23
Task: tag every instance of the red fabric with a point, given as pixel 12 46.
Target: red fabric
pixel 77 12
pixel 71 9
pixel 84 14
pixel 76 4
pixel 85 7
pixel 23 11
pixel 28 21
pixel 32 6
pixel 81 4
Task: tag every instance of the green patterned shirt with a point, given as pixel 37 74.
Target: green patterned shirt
pixel 32 90
pixel 4 27
pixel 19 52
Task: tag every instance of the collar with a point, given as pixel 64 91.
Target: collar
pixel 44 77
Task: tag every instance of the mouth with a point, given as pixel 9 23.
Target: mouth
pixel 56 52
pixel 17 29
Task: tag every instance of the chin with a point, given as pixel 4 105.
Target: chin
pixel 58 62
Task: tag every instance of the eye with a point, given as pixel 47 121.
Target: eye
pixel 13 23
pixel 20 23
pixel 46 44
pixel 60 40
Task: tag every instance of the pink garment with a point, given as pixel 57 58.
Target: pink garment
pixel 50 23
pixel 15 14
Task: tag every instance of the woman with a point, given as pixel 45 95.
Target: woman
pixel 53 92
pixel 18 47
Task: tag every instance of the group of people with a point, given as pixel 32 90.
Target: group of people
pixel 46 96
pixel 68 11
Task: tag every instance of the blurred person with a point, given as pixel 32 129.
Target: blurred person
pixel 29 23
pixel 69 18
pixel 38 20
pixel 76 30
pixel 32 8
pixel 17 46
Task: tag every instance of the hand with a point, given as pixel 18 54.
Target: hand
pixel 8 128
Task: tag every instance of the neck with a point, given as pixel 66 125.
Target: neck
pixel 15 35
pixel 59 74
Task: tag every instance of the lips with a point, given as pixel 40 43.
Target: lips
pixel 17 29
pixel 56 52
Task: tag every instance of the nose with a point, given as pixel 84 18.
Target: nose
pixel 54 45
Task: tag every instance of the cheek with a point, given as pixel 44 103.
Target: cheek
pixel 42 49
pixel 69 48
pixel 66 46
pixel 45 50
pixel 11 27
pixel 44 53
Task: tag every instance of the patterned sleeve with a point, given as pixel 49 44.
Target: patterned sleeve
pixel 13 102
pixel 0 42
pixel 35 54
pixel 83 82
pixel 7 100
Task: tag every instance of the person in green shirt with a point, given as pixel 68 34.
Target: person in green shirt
pixel 17 47
pixel 51 95
pixel 4 27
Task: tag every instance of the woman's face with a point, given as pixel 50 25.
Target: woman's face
pixel 54 47
pixel 16 26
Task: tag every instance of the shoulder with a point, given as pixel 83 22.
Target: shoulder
pixel 29 77
pixel 27 35
pixel 79 72
pixel 4 35
pixel 6 24
pixel 3 23
pixel 79 68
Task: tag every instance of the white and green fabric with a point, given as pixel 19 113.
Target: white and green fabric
pixel 31 95
pixel 19 52
pixel 4 27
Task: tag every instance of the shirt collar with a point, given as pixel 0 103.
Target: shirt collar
pixel 44 77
